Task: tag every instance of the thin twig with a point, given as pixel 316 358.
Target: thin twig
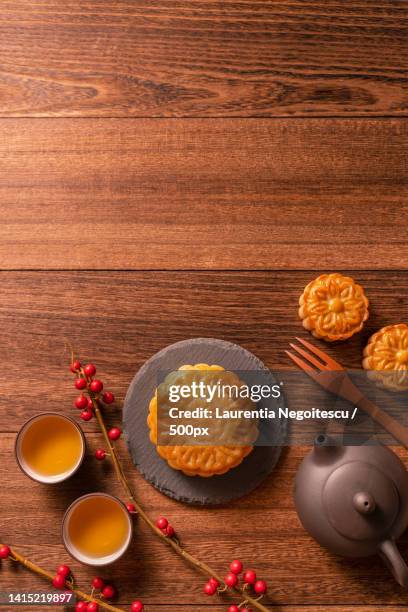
pixel 15 556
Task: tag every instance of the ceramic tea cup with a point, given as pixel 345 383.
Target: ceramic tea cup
pixel 50 447
pixel 97 529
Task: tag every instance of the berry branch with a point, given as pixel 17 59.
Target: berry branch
pixel 62 580
pixel 93 387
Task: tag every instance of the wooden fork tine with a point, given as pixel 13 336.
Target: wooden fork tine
pixel 308 357
pixel 333 365
pixel 303 365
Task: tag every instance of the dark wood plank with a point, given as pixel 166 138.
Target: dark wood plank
pixel 195 58
pixel 165 194
pixel 122 318
pixel 119 319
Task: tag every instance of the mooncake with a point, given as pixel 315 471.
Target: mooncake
pixel 205 460
pixel 386 357
pixel 333 307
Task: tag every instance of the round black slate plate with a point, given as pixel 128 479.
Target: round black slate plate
pixel 194 490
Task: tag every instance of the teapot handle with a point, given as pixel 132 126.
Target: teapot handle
pixel 392 558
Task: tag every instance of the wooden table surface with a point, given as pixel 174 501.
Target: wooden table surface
pixel 183 168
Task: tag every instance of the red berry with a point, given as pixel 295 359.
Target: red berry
pixel 108 397
pixel 136 606
pixel 162 522
pixel 236 567
pixel 63 570
pixel 80 383
pixel 214 582
pixel 4 552
pixel 75 366
pixel 210 589
pixel 89 404
pixel 249 577
pixel 131 508
pixel 234 608
pixel 81 402
pixel 231 579
pixel 86 415
pixel 100 454
pixel 98 583
pixel 260 587
pixel 81 606
pixel 59 581
pixel 92 607
pixel 90 370
pixel 108 592
pixel 169 531
pixel 114 433
pixel 96 386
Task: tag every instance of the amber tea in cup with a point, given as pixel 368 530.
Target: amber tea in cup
pixel 50 447
pixel 97 529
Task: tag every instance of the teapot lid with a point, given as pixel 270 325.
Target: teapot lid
pixel 361 502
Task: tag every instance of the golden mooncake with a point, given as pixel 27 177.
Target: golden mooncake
pixel 386 357
pixel 204 460
pixel 333 307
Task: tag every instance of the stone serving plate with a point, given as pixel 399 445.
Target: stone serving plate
pixel 194 490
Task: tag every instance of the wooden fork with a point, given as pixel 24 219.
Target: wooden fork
pixel 330 375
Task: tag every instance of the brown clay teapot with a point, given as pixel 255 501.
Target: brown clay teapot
pixel 354 501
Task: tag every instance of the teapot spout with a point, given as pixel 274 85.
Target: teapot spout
pixel 392 558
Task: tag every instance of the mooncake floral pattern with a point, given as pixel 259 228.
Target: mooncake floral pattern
pixel 333 307
pixel 204 461
pixel 386 357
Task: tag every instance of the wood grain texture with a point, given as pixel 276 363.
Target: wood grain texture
pixel 111 189
pixel 203 58
pixel 231 194
pixel 119 319
pixel 123 318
